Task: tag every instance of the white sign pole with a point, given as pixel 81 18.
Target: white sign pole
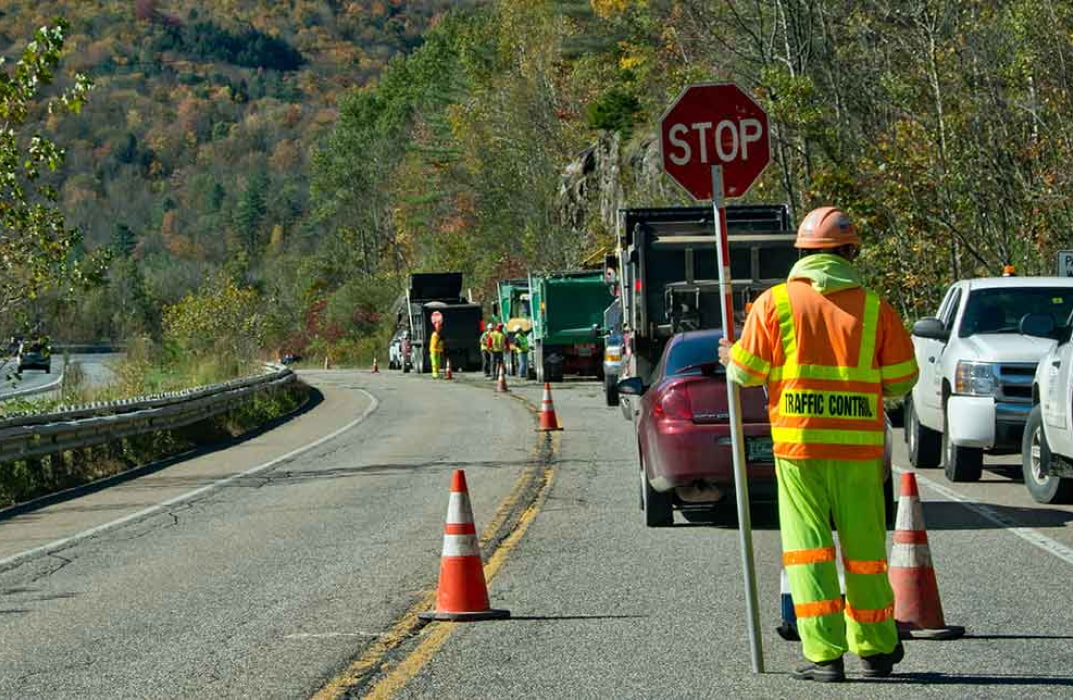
pixel 741 480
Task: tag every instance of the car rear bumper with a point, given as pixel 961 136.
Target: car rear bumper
pixel 687 454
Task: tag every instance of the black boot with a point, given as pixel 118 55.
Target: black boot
pixel 881 665
pixel 832 671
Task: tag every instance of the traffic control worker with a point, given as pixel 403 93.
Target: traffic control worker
pixel 829 351
pixel 498 341
pixel 436 349
pixel 486 351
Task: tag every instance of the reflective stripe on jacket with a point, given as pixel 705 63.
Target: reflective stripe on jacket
pixel 828 361
pixel 498 341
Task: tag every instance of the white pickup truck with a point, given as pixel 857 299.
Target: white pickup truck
pixel 977 370
pixel 1047 448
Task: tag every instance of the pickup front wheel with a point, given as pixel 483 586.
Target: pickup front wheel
pixel 960 463
pixel 925 445
pixel 1035 463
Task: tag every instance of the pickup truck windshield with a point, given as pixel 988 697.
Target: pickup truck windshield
pixel 1000 310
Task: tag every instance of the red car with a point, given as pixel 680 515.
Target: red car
pixel 683 434
pixel 683 431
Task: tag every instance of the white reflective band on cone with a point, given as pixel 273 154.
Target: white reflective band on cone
pixel 910 514
pixel 910 556
pixel 459 511
pixel 460 546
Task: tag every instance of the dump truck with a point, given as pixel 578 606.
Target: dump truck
pixel 668 273
pixel 432 293
pixel 568 318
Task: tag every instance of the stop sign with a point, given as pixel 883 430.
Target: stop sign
pixel 714 125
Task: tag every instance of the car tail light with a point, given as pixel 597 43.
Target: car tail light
pixel 675 404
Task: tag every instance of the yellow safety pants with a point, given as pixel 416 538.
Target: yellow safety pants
pixel 437 359
pixel 811 492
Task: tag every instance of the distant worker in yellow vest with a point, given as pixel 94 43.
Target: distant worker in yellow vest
pixel 436 350
pixel 499 345
pixel 830 351
pixel 486 351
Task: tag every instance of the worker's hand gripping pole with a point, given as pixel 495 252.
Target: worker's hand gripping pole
pixel 741 481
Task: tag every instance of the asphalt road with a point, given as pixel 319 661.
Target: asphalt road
pixel 97 368
pixel 272 584
pixel 267 584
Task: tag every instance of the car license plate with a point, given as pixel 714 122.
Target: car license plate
pixel 759 449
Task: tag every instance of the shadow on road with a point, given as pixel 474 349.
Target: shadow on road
pixel 948 515
pixel 967 679
pixel 515 618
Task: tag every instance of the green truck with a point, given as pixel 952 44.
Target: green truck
pixel 512 305
pixel 568 318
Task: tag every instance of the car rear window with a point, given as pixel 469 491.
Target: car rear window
pixel 686 355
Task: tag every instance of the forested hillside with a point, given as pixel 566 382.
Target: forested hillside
pixel 278 143
pixel 192 153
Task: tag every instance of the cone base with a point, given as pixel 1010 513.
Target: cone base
pixel 946 632
pixel 465 616
pixel 549 430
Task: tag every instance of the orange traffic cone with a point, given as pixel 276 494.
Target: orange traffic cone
pixel 548 420
pixel 376 367
pixel 917 608
pixel 462 594
pixel 501 385
pixel 448 375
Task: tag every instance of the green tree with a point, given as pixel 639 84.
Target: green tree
pixel 35 240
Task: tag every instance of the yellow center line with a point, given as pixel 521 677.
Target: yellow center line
pixel 437 632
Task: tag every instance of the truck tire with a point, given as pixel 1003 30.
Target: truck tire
pixel 611 389
pixel 538 362
pixel 961 464
pixel 925 445
pixel 1035 460
pixel 658 507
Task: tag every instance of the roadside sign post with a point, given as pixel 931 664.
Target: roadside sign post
pixel 714 142
pixel 1065 263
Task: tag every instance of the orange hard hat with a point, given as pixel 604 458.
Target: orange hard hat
pixel 826 227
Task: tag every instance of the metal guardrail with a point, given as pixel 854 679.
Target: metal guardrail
pixel 31 435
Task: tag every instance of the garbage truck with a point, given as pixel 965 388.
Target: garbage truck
pixel 568 323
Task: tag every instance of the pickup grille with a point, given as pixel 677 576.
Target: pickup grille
pixel 1015 382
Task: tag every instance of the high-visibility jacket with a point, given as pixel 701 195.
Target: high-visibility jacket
pixel 484 341
pixel 435 343
pixel 521 343
pixel 828 360
pixel 499 341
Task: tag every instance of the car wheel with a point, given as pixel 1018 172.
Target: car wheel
pixel 611 390
pixel 924 444
pixel 961 463
pixel 658 507
pixel 1036 461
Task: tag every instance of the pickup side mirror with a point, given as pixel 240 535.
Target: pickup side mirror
pixel 931 328
pixel 632 386
pixel 1037 325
